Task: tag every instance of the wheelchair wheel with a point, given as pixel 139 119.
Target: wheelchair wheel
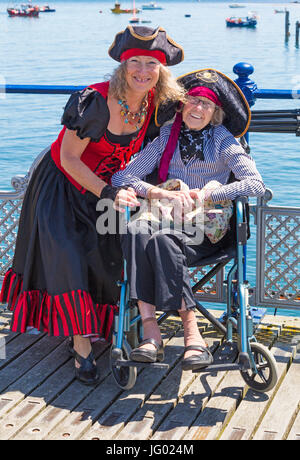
pixel 266 376
pixel 124 376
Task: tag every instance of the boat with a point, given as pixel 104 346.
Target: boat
pixel 236 5
pixel 24 11
pixel 249 22
pixel 152 6
pixel 46 9
pixel 118 10
pixel 280 11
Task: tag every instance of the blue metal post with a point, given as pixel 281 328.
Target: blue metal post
pixel 243 70
pixel 241 292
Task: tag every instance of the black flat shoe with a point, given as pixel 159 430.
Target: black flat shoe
pixel 87 373
pixel 143 355
pixel 197 361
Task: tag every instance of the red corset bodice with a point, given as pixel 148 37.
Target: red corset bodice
pixel 104 158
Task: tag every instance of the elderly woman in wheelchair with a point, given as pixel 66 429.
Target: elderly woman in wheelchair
pixel 206 168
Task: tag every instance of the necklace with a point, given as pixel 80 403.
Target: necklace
pixel 133 118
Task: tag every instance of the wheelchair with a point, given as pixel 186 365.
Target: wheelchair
pixel 255 362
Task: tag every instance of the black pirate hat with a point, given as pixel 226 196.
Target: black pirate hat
pixel 233 101
pixel 136 40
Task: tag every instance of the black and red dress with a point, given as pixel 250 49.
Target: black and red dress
pixel 64 275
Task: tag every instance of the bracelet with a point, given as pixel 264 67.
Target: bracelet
pixel 110 192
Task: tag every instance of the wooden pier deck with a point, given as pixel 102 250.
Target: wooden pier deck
pixel 40 399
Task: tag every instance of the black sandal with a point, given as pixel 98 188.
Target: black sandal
pixel 197 361
pixel 143 355
pixel 87 373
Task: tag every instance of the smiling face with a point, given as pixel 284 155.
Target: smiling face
pixel 198 112
pixel 142 73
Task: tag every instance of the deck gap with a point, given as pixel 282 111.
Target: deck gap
pixel 293 418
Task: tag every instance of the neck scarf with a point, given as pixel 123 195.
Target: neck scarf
pixel 191 143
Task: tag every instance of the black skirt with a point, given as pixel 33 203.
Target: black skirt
pixel 64 275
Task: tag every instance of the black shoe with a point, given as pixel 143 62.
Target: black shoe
pixel 143 355
pixel 197 361
pixel 87 373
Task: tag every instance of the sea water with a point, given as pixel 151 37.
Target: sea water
pixel 69 47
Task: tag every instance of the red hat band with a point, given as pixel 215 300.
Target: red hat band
pixel 159 55
pixel 205 92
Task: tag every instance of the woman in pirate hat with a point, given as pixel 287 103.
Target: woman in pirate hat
pixel 63 280
pixel 199 149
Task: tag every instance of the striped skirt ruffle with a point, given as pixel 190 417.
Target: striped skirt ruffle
pixel 64 276
pixel 66 314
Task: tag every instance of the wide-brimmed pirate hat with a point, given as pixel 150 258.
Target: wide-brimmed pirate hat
pixel 233 101
pixel 135 40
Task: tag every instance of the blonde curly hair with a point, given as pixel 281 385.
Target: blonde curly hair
pixel 166 89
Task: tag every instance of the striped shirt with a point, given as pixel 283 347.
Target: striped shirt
pixel 222 154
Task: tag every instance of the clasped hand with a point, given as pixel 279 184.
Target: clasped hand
pixel 126 197
pixel 178 204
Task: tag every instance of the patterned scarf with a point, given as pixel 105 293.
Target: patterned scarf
pixel 192 143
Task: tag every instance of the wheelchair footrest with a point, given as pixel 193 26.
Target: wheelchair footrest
pixel 257 314
pixel 122 362
pixel 220 368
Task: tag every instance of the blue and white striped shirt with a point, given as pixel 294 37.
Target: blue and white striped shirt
pixel 222 154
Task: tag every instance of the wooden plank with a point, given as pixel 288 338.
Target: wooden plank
pixel 77 422
pixel 294 434
pixel 71 397
pixel 79 407
pixel 192 402
pixel 36 348
pixel 157 407
pixel 57 396
pixel 118 414
pixel 16 392
pixel 219 409
pixel 279 417
pixel 254 405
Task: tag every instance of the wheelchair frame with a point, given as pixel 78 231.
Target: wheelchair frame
pixel 255 362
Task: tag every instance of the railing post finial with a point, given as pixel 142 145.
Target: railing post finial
pixel 243 70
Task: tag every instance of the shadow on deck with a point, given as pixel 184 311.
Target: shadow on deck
pixel 40 399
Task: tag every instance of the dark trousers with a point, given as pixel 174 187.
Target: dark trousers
pixel 157 264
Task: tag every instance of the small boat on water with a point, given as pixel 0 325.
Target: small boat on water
pixel 152 6
pixel 280 11
pixel 24 11
pixel 118 10
pixel 46 9
pixel 249 22
pixel 236 5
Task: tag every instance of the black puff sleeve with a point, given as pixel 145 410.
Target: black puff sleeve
pixel 87 113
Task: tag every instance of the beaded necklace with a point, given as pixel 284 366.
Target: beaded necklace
pixel 132 118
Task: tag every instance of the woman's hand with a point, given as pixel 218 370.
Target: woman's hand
pixel 176 197
pixel 200 195
pixel 126 197
pixel 172 203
